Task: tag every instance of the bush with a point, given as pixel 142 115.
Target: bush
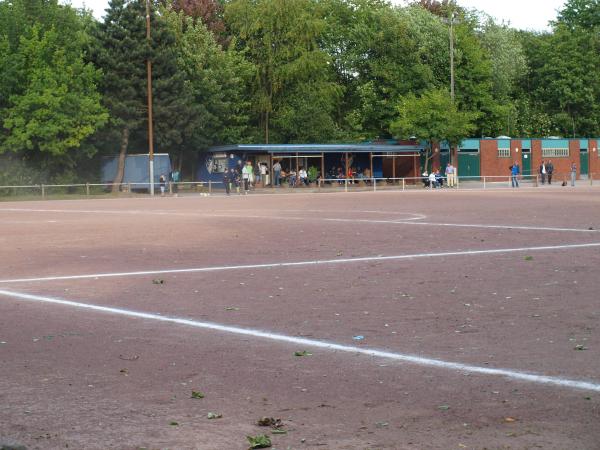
pixel 313 173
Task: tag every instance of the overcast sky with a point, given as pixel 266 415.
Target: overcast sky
pixel 523 14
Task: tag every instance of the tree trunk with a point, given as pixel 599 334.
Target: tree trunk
pixel 266 127
pixel 121 165
pixel 180 160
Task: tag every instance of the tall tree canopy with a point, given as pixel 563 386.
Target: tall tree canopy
pixel 121 50
pixel 432 117
pixel 49 104
pixel 285 71
pixel 293 75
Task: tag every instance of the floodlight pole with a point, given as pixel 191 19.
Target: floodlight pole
pixel 149 91
pixel 452 56
pixel 451 71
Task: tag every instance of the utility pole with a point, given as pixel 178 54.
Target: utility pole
pixel 452 56
pixel 149 90
pixel 452 156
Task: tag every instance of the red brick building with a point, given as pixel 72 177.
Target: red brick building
pixel 493 157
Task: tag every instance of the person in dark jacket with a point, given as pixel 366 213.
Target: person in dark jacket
pixel 550 170
pixel 227 180
pixel 515 170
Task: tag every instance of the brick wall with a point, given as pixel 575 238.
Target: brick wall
pixel 536 156
pixel 491 164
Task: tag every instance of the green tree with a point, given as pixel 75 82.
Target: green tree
pixel 121 50
pixel 561 87
pixel 381 53
pixel 217 82
pixel 432 117
pixel 49 104
pixel 280 37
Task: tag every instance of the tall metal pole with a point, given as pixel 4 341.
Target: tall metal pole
pixel 452 56
pixel 149 90
pixel 451 70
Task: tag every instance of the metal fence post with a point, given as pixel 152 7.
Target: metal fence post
pixel 346 185
pixel 403 183
pixel 43 191
pixel 170 188
pixel 374 184
pixel 210 186
pixel 87 189
pixel 484 182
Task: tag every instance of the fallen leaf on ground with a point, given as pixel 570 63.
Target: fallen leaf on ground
pixel 529 258
pixel 302 353
pixel 443 407
pixel 158 281
pixel 580 347
pixel 269 422
pixel 259 441
pixel 232 308
pixel 510 419
pixel 381 424
pixel 212 415
pixel 129 358
pixel 276 431
pixel 174 424
pixel 197 394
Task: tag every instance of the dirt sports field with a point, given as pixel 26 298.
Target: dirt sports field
pixel 388 320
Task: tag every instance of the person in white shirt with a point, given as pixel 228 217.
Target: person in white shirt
pixel 432 181
pixel 263 174
pixel 543 172
pixel 303 176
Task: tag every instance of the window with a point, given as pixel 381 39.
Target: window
pixel 555 153
pixel 216 165
pixel 504 153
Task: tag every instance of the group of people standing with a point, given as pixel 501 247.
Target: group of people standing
pixel 546 170
pixel 236 177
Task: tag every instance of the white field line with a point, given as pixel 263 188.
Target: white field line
pixel 236 213
pixel 408 221
pixel 407 358
pixel 462 225
pixel 318 262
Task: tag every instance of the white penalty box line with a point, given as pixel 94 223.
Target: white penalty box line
pixel 321 262
pixel 313 343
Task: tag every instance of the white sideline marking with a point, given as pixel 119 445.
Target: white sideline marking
pixel 508 227
pixel 461 225
pixel 417 360
pixel 408 221
pixel 306 263
pixel 238 213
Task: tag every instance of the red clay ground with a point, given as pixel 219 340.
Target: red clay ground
pixel 84 379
